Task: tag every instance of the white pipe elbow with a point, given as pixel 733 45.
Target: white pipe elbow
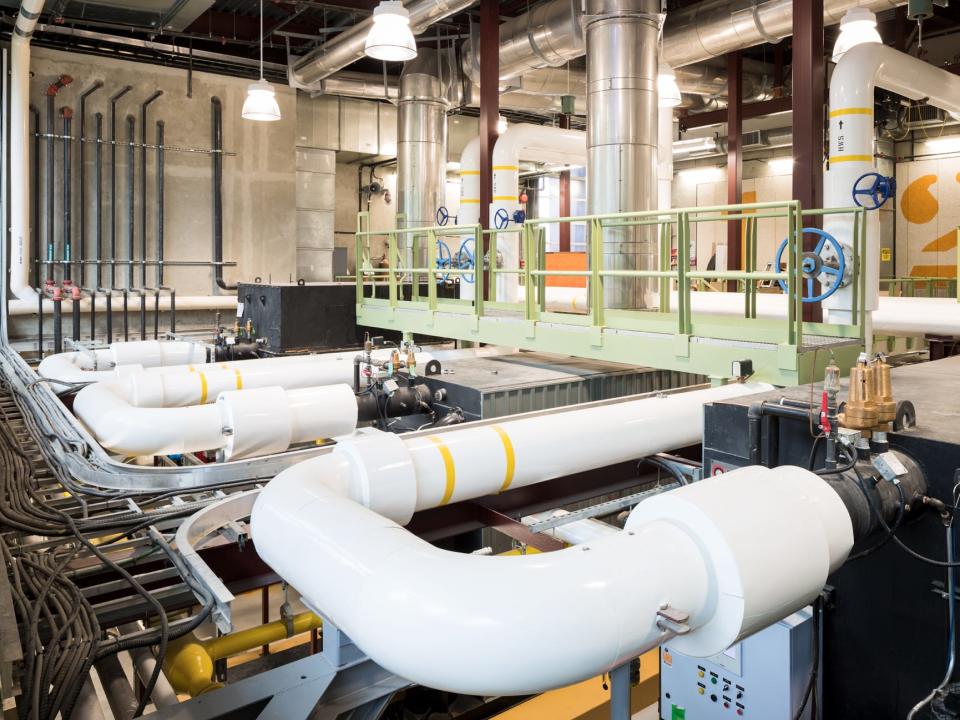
pixel 716 552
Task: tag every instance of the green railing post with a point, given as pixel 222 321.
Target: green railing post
pixel 529 296
pixel 595 247
pixel 684 321
pixel 392 267
pixel 432 240
pixel 664 282
pixel 794 299
pixel 541 255
pixel 477 272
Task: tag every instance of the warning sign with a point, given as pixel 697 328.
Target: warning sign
pixel 886 254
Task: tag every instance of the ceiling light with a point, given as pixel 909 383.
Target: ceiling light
pixel 944 145
pixel 668 92
pixel 780 166
pixel 261 103
pixel 501 125
pixel 857 27
pixel 390 37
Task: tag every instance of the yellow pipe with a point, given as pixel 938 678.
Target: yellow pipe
pixel 189 660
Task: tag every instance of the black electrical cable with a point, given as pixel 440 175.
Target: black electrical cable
pixel 666 467
pixel 810 689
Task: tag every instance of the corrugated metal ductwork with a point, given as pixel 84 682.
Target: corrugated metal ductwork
pixel 425 88
pixel 621 40
pixel 347 47
pixel 550 35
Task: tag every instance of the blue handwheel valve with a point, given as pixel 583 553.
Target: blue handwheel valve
pixel 872 190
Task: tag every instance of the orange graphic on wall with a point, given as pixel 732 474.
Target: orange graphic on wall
pixel 920 206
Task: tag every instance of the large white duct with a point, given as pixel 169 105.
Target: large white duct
pixel 713 551
pixel 19 265
pixel 859 71
pixel 524 142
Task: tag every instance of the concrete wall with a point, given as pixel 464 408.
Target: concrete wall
pixel 258 184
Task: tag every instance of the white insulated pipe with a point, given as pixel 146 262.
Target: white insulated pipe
pixel 524 141
pixel 20 150
pixel 187 303
pixel 253 422
pixel 859 71
pixel 717 552
pixel 107 364
pixel 469 212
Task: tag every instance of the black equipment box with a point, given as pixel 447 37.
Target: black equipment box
pixel 291 318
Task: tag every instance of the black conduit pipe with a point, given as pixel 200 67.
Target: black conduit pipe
pixel 131 179
pixel 75 313
pixel 755 416
pixel 81 251
pixel 98 202
pixel 55 87
pixel 51 252
pixel 126 314
pixel 216 142
pixel 173 311
pixel 67 114
pixel 111 201
pixel 109 297
pixel 57 321
pixel 143 185
pixel 93 314
pixel 143 314
pixel 35 231
pixel 41 295
pixel 160 203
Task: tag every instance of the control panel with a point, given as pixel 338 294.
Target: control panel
pixel 763 677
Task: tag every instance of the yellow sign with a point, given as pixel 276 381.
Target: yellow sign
pixel 886 254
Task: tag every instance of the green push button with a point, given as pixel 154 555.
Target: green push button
pixel 713 680
pixel 677 713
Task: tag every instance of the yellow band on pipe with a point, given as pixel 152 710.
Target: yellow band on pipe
pixel 851 158
pixel 470 201
pixel 239 379
pixel 203 388
pixel 469 172
pixel 508 168
pixel 449 468
pixel 505 198
pixel 851 111
pixel 511 456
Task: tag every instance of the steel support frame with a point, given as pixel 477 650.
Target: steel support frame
pixel 809 91
pixel 735 161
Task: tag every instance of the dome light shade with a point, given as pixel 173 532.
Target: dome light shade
pixel 261 103
pixel 390 38
pixel 857 27
pixel 668 92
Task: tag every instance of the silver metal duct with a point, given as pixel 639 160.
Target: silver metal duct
pixel 549 35
pixel 621 41
pixel 717 27
pixel 360 85
pixel 347 47
pixel 422 141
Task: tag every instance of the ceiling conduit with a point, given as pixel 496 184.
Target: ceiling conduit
pixel 348 47
pixel 713 552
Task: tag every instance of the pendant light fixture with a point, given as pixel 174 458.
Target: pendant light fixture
pixel 261 103
pixel 390 37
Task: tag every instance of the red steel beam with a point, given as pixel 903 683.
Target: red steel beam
pixel 489 114
pixel 734 160
pixel 809 88
pixel 750 110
